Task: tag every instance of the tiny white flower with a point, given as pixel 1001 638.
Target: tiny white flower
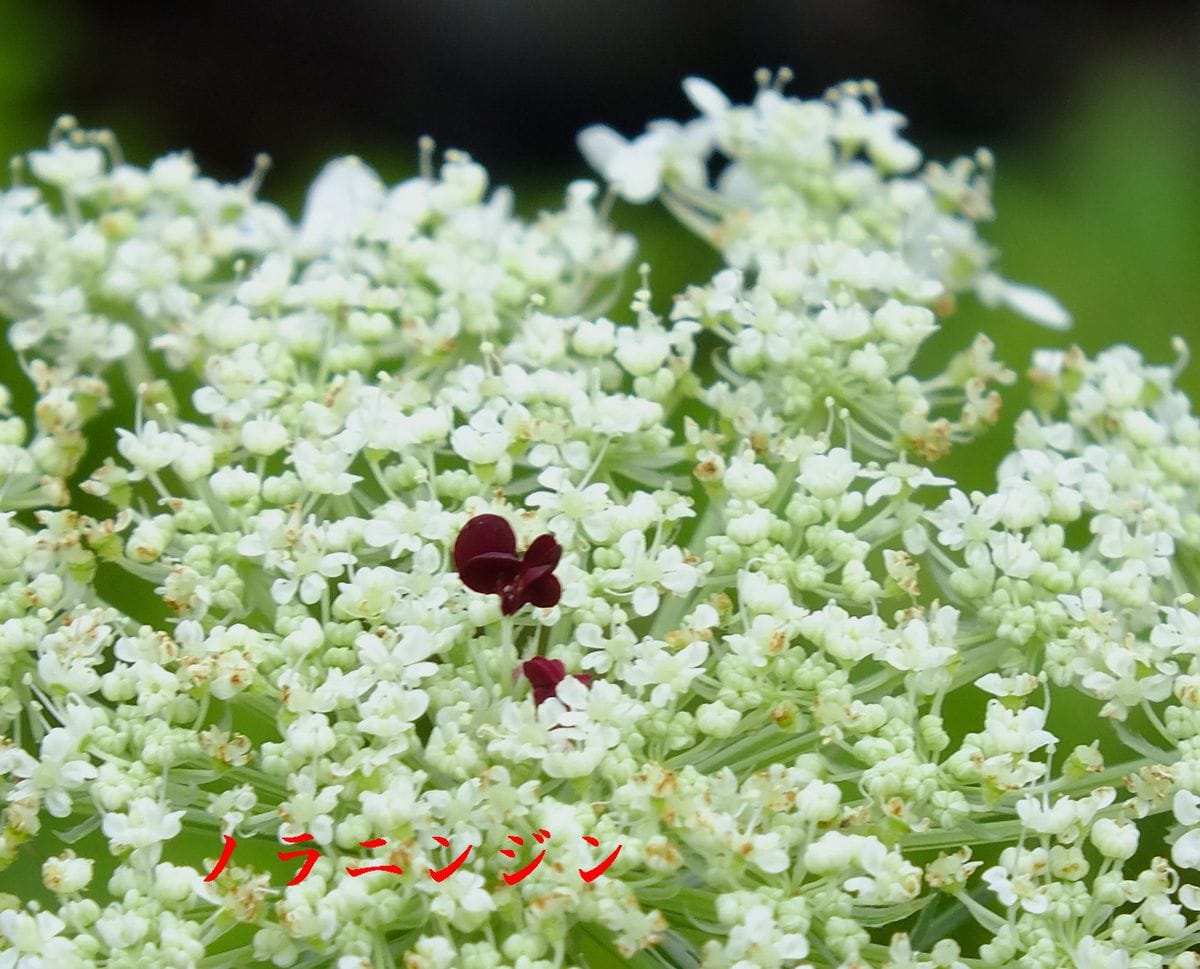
pixel 1114 839
pixel 644 575
pixel 149 449
pixel 1016 890
pixel 1091 953
pixel 264 436
pixel 914 649
pixel 483 441
pixel 322 470
pixel 67 873
pixel 568 507
pixel 768 852
pixel 145 823
pixel 68 166
pixel 310 736
pixel 828 475
pixel 669 673
pixel 33 937
pixel 633 168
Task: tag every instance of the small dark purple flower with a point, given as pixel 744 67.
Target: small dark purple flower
pixel 485 555
pixel 545 675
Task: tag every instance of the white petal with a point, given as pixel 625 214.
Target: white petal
pixel 1034 304
pixel 637 173
pixel 1186 851
pixel 338 202
pixel 599 145
pixel 1036 904
pixel 1187 807
pixel 706 96
pixel 768 853
pixel 792 946
pixel 645 600
pixel 572 692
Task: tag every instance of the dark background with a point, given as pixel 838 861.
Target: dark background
pixel 511 81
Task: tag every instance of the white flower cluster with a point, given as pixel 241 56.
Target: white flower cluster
pixel 820 697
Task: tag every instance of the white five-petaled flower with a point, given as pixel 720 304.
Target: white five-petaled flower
pixel 1020 879
pixel 670 673
pixel 568 507
pixel 637 169
pixel 144 823
pixel 758 941
pixel 645 574
pixel 598 712
pixel 35 941
pixel 150 449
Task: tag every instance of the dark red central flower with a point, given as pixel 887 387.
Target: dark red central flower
pixel 545 675
pixel 485 555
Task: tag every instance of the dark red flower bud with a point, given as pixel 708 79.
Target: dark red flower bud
pixel 545 675
pixel 485 555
